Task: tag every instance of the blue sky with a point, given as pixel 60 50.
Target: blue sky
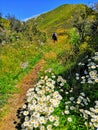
pixel 24 9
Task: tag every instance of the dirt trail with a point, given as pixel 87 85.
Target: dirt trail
pixel 17 100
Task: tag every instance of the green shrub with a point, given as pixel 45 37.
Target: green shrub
pixel 75 38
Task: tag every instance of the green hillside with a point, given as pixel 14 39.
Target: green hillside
pixel 59 18
pixel 67 86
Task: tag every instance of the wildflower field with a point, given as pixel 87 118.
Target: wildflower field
pixel 52 104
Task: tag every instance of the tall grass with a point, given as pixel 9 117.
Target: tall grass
pixel 16 59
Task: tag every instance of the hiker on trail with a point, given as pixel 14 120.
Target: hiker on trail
pixel 54 37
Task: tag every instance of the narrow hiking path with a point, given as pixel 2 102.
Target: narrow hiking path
pixel 17 100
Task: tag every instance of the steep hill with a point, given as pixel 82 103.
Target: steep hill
pixel 59 18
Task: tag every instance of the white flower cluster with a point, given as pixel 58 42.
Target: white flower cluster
pixel 91 72
pixel 96 56
pixel 61 81
pixel 91 115
pixel 78 105
pixel 74 104
pixel 41 103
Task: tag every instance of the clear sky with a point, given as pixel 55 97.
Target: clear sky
pixel 23 9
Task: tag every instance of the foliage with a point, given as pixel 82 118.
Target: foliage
pixel 85 49
pixel 86 23
pixel 14 23
pixel 74 37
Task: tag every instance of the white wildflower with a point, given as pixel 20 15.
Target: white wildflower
pixel 93 67
pixel 51 118
pixel 96 80
pixel 77 78
pixel 49 127
pixel 26 123
pixel 25 113
pixel 56 123
pixel 24 106
pixel 42 127
pixel 82 94
pixel 86 124
pixel 36 124
pixel 71 98
pixel 72 108
pixel 95 125
pixel 66 112
pixel 41 120
pixel 69 119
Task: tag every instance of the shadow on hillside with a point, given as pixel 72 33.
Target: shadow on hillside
pixel 20 118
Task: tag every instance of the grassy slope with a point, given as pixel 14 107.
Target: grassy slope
pixel 57 18
pixel 12 56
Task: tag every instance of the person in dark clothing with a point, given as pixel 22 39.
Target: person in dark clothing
pixel 54 37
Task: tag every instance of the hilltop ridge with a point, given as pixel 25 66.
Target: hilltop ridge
pixel 58 18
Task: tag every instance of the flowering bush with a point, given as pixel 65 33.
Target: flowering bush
pixel 42 99
pixel 90 74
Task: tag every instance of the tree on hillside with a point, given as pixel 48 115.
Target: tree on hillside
pixel 80 22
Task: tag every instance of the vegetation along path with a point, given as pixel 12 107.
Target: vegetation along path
pixel 15 103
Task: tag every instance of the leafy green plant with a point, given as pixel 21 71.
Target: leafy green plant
pixel 74 37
